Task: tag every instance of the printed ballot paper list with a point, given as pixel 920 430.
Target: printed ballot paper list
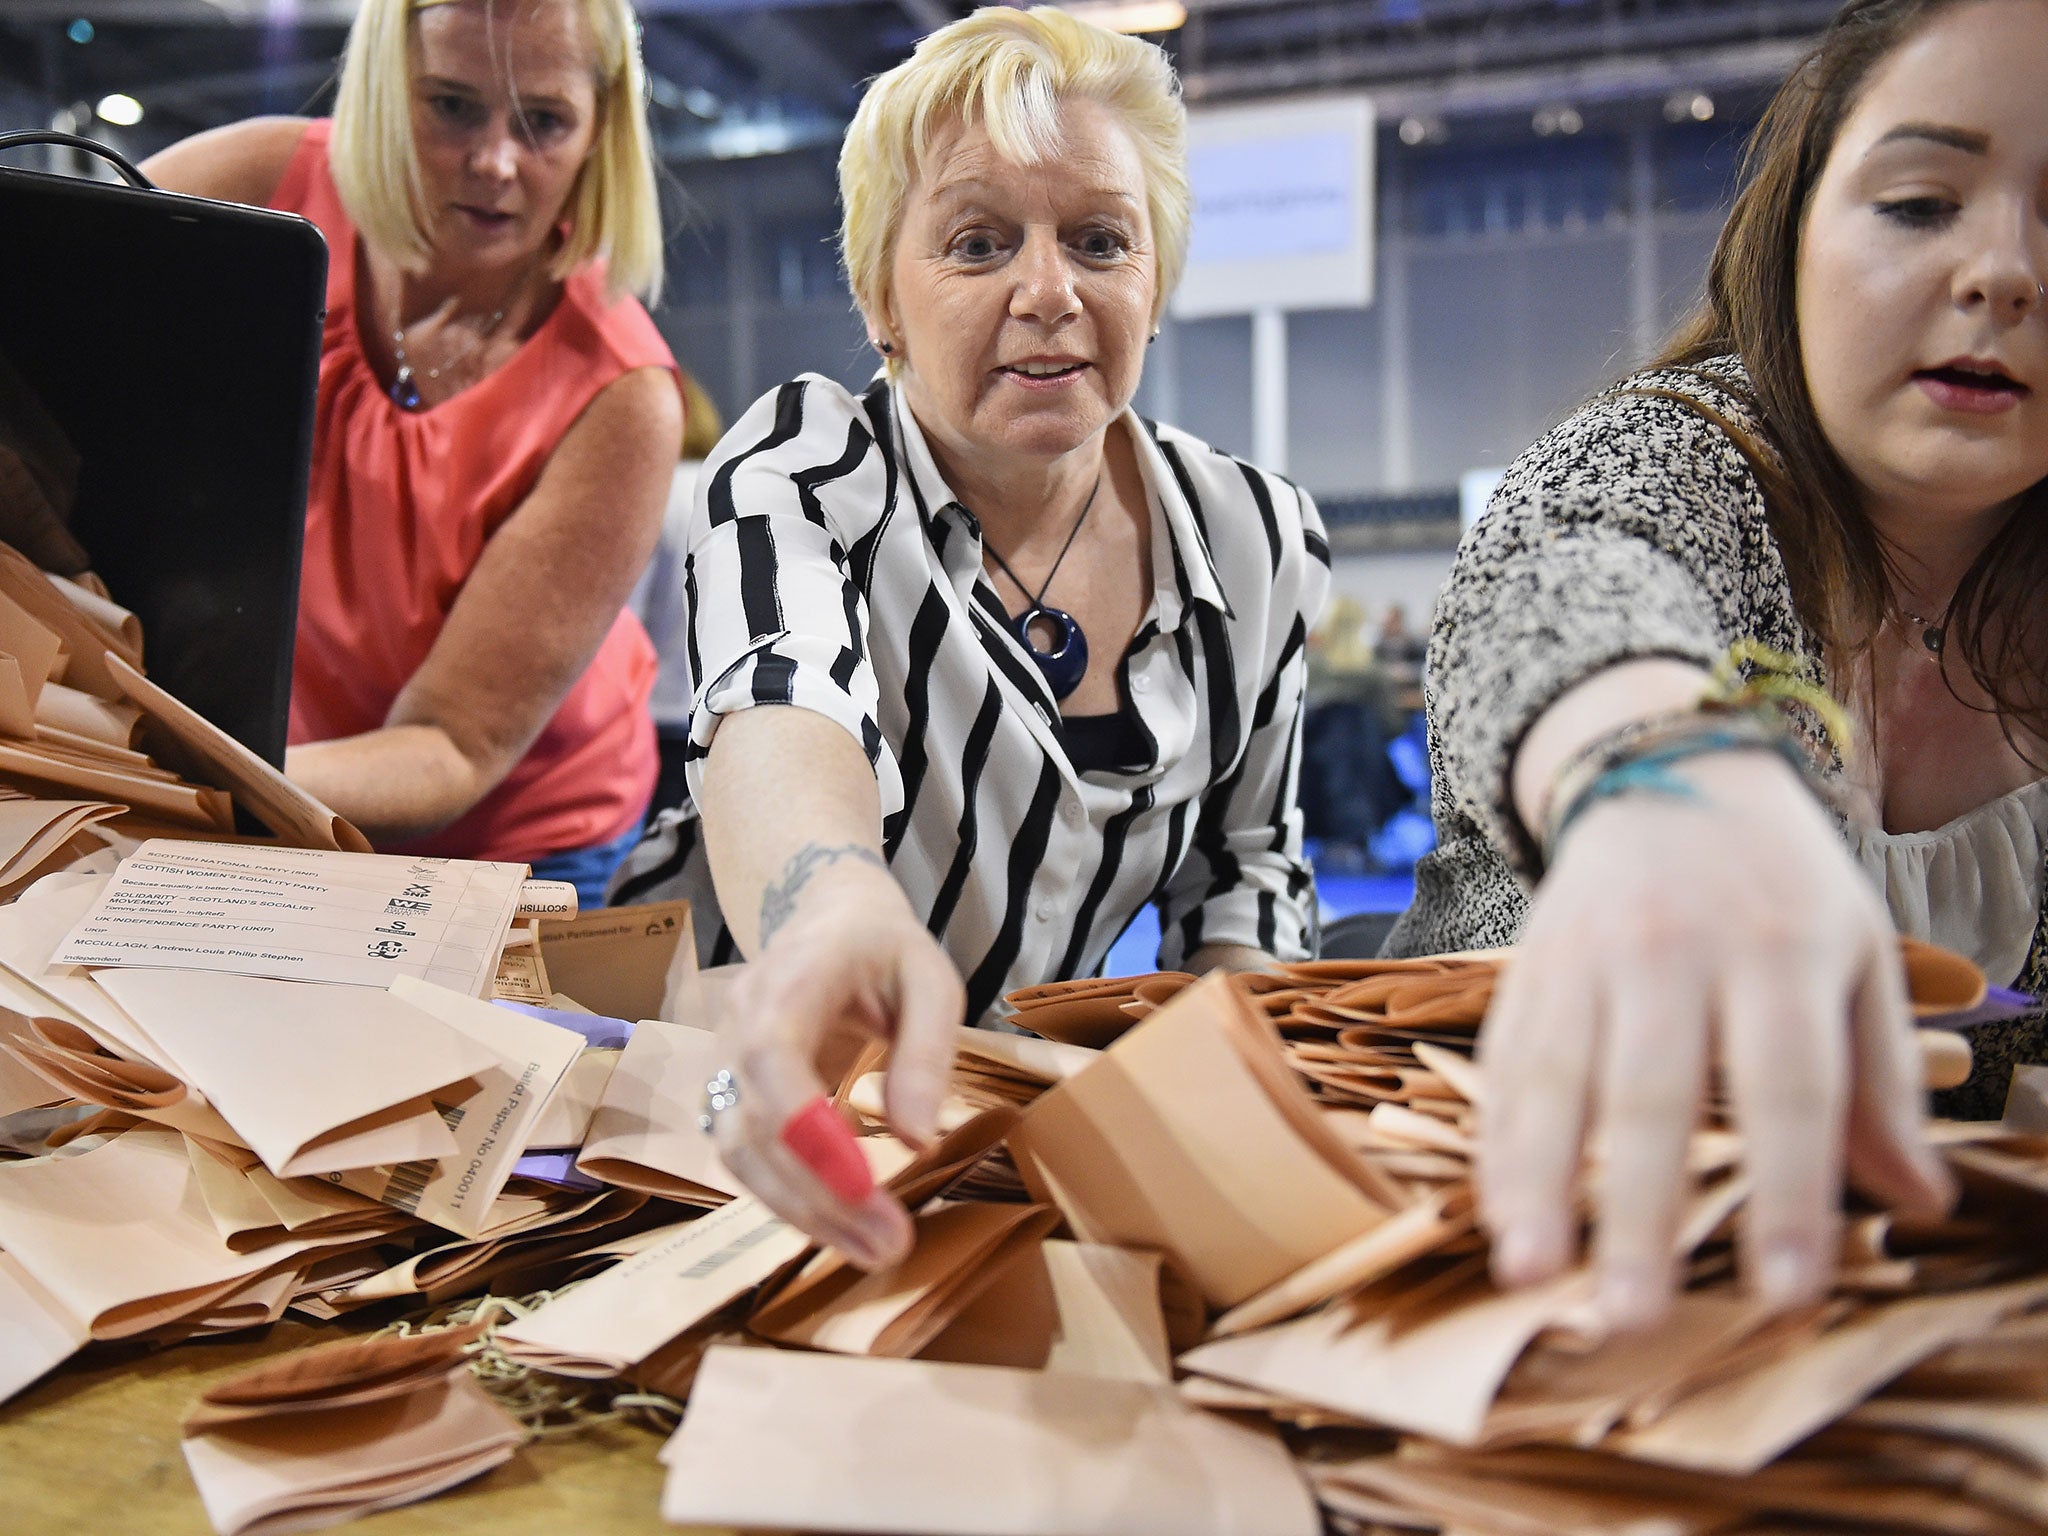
pixel 360 919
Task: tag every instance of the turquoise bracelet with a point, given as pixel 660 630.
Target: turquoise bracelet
pixel 1648 770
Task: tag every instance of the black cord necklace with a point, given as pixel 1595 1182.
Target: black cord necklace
pixel 1067 662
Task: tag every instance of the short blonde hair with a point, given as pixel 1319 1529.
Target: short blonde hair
pixel 613 210
pixel 1009 70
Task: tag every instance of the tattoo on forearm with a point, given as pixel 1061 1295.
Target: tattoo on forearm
pixel 778 901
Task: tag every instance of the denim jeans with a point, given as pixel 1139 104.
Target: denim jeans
pixel 588 869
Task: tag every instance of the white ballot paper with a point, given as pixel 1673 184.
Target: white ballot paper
pixel 296 914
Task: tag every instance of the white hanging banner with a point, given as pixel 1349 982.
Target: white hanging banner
pixel 1283 215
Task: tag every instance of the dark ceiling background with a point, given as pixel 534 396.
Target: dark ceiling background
pixel 739 77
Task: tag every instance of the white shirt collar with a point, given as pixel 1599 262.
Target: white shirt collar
pixel 1181 562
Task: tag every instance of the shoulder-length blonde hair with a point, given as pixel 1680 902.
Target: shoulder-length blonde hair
pixel 613 210
pixel 1009 70
pixel 1842 575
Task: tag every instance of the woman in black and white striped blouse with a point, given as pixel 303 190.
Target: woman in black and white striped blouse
pixel 1047 657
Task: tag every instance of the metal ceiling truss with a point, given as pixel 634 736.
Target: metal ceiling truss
pixel 739 77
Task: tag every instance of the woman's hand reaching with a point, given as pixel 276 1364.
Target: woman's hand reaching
pixel 793 823
pixel 1676 947
pixel 850 955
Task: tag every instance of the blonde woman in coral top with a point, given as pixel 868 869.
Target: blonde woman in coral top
pixel 497 423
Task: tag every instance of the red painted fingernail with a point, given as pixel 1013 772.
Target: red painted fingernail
pixel 826 1145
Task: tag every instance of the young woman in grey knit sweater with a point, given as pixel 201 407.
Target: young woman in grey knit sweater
pixel 1842 460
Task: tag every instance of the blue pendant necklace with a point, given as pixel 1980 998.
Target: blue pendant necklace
pixel 1066 662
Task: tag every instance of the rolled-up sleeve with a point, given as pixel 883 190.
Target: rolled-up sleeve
pixel 1623 534
pixel 1245 879
pixel 777 613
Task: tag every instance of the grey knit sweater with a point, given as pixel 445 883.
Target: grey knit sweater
pixel 1636 528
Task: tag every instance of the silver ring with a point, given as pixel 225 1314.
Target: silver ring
pixel 720 1094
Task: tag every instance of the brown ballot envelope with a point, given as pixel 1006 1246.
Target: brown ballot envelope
pixel 32 927
pixel 1444 994
pixel 960 1250
pixel 990 1067
pixel 614 1320
pixel 1738 1424
pixel 81 715
pixel 493 1123
pixel 1432 1366
pixel 565 1119
pixel 623 962
pixel 89 596
pixel 30 652
pixel 315 1078
pixel 344 1374
pixel 120 1235
pixel 1422 1229
pixel 1077 1307
pixel 20 1088
pixel 1093 1011
pixel 68 1059
pixel 182 805
pixel 37 1331
pixel 644 1132
pixel 32 831
pixel 523 1231
pixel 245 1212
pixel 783 1440
pixel 1191 1136
pixel 521 975
pixel 1039 1061
pixel 619 1318
pixel 215 757
pixel 86 643
pixel 299 1471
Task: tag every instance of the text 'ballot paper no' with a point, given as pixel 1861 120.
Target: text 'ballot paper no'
pixel 493 1123
pixel 359 919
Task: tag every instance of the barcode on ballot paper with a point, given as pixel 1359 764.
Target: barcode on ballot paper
pixel 409 1180
pixel 408 1183
pixel 712 1263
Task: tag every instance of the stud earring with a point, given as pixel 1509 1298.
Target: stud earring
pixel 886 348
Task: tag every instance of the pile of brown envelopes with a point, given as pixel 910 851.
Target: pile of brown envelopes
pixel 205 1150
pixel 1265 1206
pixel 1193 1256
pixel 343 1429
pixel 106 755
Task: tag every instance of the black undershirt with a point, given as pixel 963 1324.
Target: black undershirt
pixel 1106 743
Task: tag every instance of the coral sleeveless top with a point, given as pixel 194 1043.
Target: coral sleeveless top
pixel 400 506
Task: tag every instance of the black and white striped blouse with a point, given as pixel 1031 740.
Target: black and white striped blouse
pixel 829 567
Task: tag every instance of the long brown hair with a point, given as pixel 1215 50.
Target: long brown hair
pixel 1842 575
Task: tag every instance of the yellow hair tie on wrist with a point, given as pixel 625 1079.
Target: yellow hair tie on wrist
pixel 1752 675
